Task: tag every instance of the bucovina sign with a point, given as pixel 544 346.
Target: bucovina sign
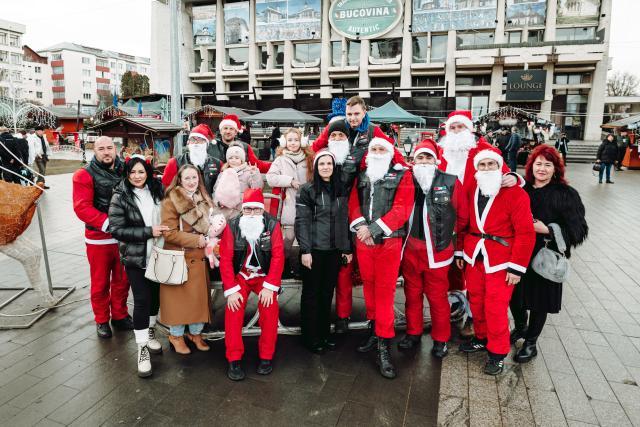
pixel 364 19
pixel 526 85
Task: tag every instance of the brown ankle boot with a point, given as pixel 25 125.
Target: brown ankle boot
pixel 201 345
pixel 178 345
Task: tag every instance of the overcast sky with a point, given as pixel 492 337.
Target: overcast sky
pixel 125 26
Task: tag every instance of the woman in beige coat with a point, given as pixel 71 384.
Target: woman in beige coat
pixel 187 204
pixel 292 167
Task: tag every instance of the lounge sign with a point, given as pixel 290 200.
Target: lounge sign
pixel 526 85
pixel 364 19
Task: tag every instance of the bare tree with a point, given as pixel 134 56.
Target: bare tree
pixel 622 84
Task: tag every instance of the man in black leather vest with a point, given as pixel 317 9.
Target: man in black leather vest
pixel 93 186
pixel 428 249
pixel 229 128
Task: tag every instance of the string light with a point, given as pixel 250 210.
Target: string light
pixel 17 113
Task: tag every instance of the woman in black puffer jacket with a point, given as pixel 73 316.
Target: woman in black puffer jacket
pixel 134 220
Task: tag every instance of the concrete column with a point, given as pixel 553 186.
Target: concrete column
pixel 365 81
pixel 550 25
pixel 220 51
pixel 450 67
pixel 253 48
pixel 500 14
pixel 325 52
pixel 496 87
pixel 545 107
pixel 288 92
pixel 407 52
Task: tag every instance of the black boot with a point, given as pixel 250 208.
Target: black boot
pixel 341 326
pixel 517 334
pixel 409 341
pixel 125 324
pixel 104 330
pixel 439 349
pixel 235 372
pixel 527 352
pixel 371 341
pixel 384 362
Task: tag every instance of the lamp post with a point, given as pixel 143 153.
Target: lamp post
pixel 407 145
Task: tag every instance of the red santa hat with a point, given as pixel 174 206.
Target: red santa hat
pixel 237 150
pixel 202 131
pixel 488 154
pixel 427 146
pixel 459 116
pixel 253 198
pixel 230 120
pixel 382 142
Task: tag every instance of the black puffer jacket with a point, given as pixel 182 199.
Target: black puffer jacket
pixel 608 151
pixel 127 227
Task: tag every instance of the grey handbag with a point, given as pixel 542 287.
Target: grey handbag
pixel 550 264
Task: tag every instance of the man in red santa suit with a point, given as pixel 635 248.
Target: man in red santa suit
pixel 428 249
pixel 251 259
pixel 228 133
pixel 92 190
pixel 379 206
pixel 497 245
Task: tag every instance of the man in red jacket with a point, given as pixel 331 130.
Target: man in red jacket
pixel 497 245
pixel 379 206
pixel 251 259
pixel 92 189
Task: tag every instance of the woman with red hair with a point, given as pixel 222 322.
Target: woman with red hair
pixel 553 201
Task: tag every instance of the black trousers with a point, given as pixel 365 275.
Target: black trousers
pixel 146 297
pixel 533 325
pixel 318 284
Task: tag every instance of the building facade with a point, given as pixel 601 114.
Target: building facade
pixel 36 77
pixel 89 75
pixel 429 55
pixel 11 59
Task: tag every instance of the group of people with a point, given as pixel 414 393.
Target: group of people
pixel 22 152
pixel 453 217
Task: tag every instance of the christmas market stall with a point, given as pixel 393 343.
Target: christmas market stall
pixel 628 129
pixel 148 136
pixel 211 115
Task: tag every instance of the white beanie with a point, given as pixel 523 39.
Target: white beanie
pixel 488 154
pixel 238 151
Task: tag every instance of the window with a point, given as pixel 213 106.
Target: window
pixel 143 70
pixel 86 85
pixel 14 40
pixel 58 95
pixel 439 48
pixel 56 57
pixel 3 55
pixel 3 38
pixel 579 33
pixel 536 36
pixel 103 86
pixel 103 74
pixel 238 86
pixel 57 70
pixel 102 63
pixel 237 55
pixel 86 73
pixel 474 38
pixel 131 67
pixel 336 54
pixel 58 83
pixel 278 55
pixel 39 95
pixel 86 96
pixel 478 103
pixel 482 80
pixel 420 49
pixel 37 69
pixel 572 79
pixel 514 37
pixel 120 66
pixel 427 81
pixel 86 60
pixel 16 59
pixel 307 52
pixel 38 82
pixel 386 49
pixel 16 76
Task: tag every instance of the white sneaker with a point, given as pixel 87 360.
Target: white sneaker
pixel 144 361
pixel 154 345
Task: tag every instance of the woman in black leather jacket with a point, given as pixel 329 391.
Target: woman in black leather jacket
pixel 322 231
pixel 134 221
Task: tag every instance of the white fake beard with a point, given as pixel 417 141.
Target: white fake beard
pixel 378 165
pixel 424 174
pixel 461 141
pixel 340 149
pixel 251 227
pixel 489 182
pixel 198 154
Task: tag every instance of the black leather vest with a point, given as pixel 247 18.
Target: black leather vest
pixel 442 215
pixel 210 170
pixel 219 150
pixel 351 165
pixel 384 193
pixel 104 182
pixel 263 247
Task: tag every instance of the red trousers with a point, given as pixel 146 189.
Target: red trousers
pixel 379 266
pixel 489 296
pixel 234 320
pixel 456 279
pixel 421 280
pixel 344 290
pixel 109 284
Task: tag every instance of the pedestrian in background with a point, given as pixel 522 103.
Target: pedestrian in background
pixel 512 149
pixel 562 145
pixel 185 211
pixel 623 143
pixel 552 201
pixel 607 156
pixel 42 153
pixel 275 141
pixel 134 217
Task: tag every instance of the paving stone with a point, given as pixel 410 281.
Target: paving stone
pixel 546 408
pixel 627 353
pixel 574 401
pixel 593 337
pixel 483 390
pixel 573 343
pixel 43 407
pixel 516 417
pixel 7 412
pixel 593 382
pixel 535 373
pixel 610 365
pixel 452 411
pixel 452 382
pixel 512 391
pixel 555 355
pixel 610 414
pixel 629 396
pixel 484 414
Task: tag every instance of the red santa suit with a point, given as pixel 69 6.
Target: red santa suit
pixel 250 269
pixel 499 239
pixel 384 206
pixel 426 257
pixel 92 189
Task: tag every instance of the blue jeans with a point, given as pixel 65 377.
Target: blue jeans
pixel 512 161
pixel 178 330
pixel 605 167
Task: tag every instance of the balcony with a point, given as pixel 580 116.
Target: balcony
pixel 530 44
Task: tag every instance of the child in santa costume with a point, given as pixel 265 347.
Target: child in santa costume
pixel 228 133
pixel 251 259
pixel 428 249
pixel 497 245
pixel 379 206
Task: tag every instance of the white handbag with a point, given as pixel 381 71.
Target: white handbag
pixel 552 265
pixel 167 267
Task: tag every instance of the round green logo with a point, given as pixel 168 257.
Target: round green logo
pixel 364 19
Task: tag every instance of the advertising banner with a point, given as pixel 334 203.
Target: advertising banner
pixel 204 25
pixel 364 19
pixel 236 23
pixel 526 12
pixel 288 19
pixel 578 12
pixel 445 15
pixel 526 85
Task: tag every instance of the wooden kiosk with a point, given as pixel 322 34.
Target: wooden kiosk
pixel 628 127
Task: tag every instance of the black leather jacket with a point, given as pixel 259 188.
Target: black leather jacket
pixel 210 170
pixel 263 248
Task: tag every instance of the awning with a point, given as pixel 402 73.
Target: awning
pixel 147 123
pixel 393 113
pixel 282 115
pixel 631 122
pixel 242 115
